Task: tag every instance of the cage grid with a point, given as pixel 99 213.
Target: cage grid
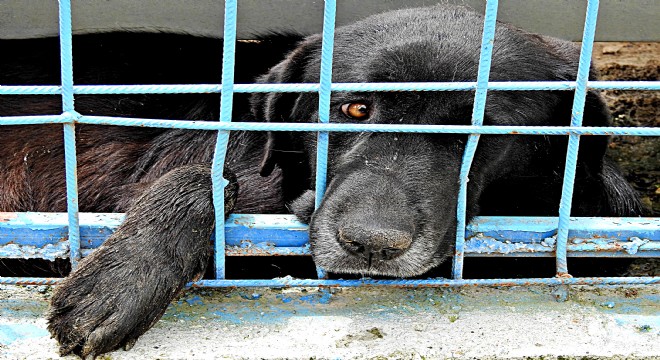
pixel 519 236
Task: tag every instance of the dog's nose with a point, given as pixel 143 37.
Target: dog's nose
pixel 374 244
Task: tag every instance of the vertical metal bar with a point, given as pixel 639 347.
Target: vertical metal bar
pixel 324 96
pixel 66 64
pixel 478 111
pixel 329 14
pixel 574 139
pixel 217 167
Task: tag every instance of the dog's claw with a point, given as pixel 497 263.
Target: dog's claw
pixel 129 344
pixel 65 349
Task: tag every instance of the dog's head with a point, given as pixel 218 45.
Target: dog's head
pixel 390 205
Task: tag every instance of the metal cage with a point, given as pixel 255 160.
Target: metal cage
pixel 39 235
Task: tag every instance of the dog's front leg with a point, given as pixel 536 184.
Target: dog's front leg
pixel 121 290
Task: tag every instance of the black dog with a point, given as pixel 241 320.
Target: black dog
pixel 390 206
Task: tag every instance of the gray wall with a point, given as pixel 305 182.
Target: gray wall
pixel 632 20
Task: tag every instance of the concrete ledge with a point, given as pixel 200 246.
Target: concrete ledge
pixel 371 323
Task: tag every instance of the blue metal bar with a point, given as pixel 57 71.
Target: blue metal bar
pixel 43 235
pixel 485 56
pixel 39 229
pixel 490 248
pixel 440 282
pixel 325 93
pixel 405 128
pixel 268 250
pixel 579 100
pixel 325 83
pixel 459 250
pixel 66 55
pixel 34 119
pixel 359 87
pixel 478 110
pixel 72 192
pixel 66 59
pixel 226 102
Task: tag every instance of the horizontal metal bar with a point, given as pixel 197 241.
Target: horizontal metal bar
pixel 34 119
pixel 344 87
pixel 454 129
pixel 257 250
pixel 268 250
pixel 337 127
pixel 30 90
pixel 614 249
pixel 439 282
pixel 44 235
pixel 250 231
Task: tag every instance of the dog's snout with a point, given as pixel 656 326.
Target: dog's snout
pixel 374 244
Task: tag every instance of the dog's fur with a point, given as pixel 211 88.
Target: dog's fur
pixel 390 207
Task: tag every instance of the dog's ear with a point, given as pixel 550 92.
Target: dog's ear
pixel 279 107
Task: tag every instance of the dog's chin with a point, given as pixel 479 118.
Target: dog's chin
pixel 417 260
pixel 349 264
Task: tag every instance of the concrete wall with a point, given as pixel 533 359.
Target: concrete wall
pixel 632 20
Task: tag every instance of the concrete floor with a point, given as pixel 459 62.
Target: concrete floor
pixel 371 323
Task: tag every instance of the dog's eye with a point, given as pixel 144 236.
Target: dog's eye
pixel 356 110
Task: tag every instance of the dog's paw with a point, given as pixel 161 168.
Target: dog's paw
pixel 108 303
pixel 120 290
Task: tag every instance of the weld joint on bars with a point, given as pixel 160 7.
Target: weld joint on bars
pixel 71 116
pixel 335 87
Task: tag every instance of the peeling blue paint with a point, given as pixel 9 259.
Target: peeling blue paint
pixel 49 252
pixel 560 293
pixel 195 300
pixel 482 244
pixel 285 299
pixel 322 297
pixel 13 332
pixel 252 296
pixel 224 315
pixel 45 235
pixel 608 304
pixel 643 323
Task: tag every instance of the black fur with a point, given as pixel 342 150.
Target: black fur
pixel 123 288
pixel 390 206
